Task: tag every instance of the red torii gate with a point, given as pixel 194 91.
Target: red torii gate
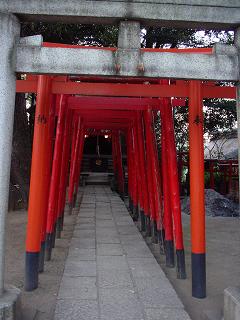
pixel 178 89
pixel 74 117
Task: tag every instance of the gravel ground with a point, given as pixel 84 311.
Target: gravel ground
pixel 215 205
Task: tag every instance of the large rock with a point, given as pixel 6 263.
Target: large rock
pixel 215 205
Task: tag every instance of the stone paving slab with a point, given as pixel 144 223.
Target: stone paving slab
pixel 78 288
pixel 110 273
pixel 76 254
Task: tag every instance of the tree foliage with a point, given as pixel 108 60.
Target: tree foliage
pixel 94 35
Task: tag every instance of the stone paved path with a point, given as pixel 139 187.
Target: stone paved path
pixel 110 273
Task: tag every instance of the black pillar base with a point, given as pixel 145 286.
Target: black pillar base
pixel 161 241
pixel 135 213
pixel 121 195
pixel 62 221
pixel 74 200
pixel 181 268
pixel 70 208
pixel 130 205
pixel 41 258
pixel 148 227
pixel 169 251
pixel 154 232
pixel 31 270
pixel 142 221
pixel 54 236
pixel 113 184
pixel 199 275
pixel 59 228
pixel 48 246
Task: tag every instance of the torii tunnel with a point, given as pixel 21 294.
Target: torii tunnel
pixel 122 107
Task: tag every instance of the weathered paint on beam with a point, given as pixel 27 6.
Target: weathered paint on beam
pixel 69 61
pixel 171 13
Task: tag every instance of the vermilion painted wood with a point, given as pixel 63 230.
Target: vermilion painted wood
pixel 37 194
pixel 142 160
pixel 106 126
pixel 141 169
pixel 135 169
pixel 120 90
pixel 115 156
pixel 196 161
pixel 131 146
pixel 79 162
pixel 118 114
pixel 74 161
pixel 55 177
pixel 110 102
pixel 174 50
pixel 119 162
pixel 149 168
pixel 180 89
pixel 128 144
pixel 69 144
pixel 173 174
pixel 138 162
pixel 158 176
pixel 148 117
pixel 73 138
pixel 167 218
pixel 65 163
pixel 49 161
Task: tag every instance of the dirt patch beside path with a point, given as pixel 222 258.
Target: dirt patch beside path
pixel 40 303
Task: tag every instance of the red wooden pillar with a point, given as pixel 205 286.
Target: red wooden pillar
pixel 64 172
pixel 160 228
pixel 117 161
pixel 74 158
pixel 167 217
pixel 47 176
pixel 55 178
pixel 79 162
pixel 197 190
pixel 153 167
pixel 37 185
pixel 120 164
pixel 149 175
pixel 114 159
pixel 174 186
pixel 63 202
pixel 144 208
pixel 129 164
pixel 73 138
pixel 77 168
pixel 135 173
pixel 132 173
